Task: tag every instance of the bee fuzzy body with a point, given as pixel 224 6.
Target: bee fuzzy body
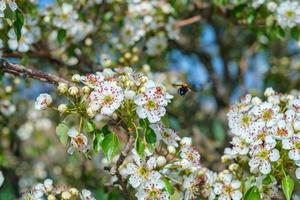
pixel 183 88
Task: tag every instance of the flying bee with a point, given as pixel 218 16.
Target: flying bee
pixel 183 88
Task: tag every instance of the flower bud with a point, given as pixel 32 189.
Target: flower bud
pixel 85 89
pixel 121 60
pixel 146 68
pixel 256 101
pixel 127 55
pixel 297 126
pixel 187 141
pixel 74 191
pixel 233 167
pixel 123 78
pixel 135 58
pixel 90 112
pixel 76 78
pixel 272 6
pixel 142 89
pixel 161 161
pixel 128 83
pixel 269 92
pixel 144 79
pixel 62 88
pixel 73 91
pixel 51 197
pixel 225 158
pixel 66 195
pixel 171 150
pixel 62 108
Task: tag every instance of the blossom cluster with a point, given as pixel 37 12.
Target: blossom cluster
pixel 51 192
pixel 107 94
pixel 149 18
pixel 285 12
pixel 265 134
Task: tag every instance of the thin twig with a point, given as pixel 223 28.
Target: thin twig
pixel 20 70
pixel 188 21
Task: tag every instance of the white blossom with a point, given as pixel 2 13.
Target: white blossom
pixel 43 101
pixel 288 14
pixel 151 103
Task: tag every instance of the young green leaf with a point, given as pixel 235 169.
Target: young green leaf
pixel 140 146
pixel 150 136
pixel 62 133
pixel 110 145
pixel 89 126
pixel 62 33
pixel 18 24
pixel 168 187
pixel 287 186
pixel 99 137
pixel 252 194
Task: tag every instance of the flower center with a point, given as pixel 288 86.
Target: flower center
pixel 151 105
pixel 290 14
pixel 263 154
pixel 153 193
pixel 267 115
pixel 282 132
pixel 245 120
pixel 297 145
pixel 228 189
pixel 107 99
pixel 143 171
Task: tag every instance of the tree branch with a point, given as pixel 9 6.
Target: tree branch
pixel 115 169
pixel 20 70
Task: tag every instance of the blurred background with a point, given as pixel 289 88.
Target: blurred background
pixel 219 57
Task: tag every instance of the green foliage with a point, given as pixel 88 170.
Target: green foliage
pixel 18 23
pixel 140 146
pixel 169 188
pixel 61 35
pixel 252 194
pixel 287 186
pixel 110 145
pixel 62 133
pixel 89 126
pixel 99 137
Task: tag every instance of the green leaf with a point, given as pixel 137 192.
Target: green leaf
pixel 150 136
pixel 99 137
pixel 250 18
pixel 287 186
pixel 89 126
pixel 105 130
pixel 268 179
pixel 168 187
pixel 18 23
pixel 61 35
pixel 252 194
pixel 110 145
pixel 140 146
pixel 295 33
pixel 165 120
pixel 280 32
pixel 62 133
